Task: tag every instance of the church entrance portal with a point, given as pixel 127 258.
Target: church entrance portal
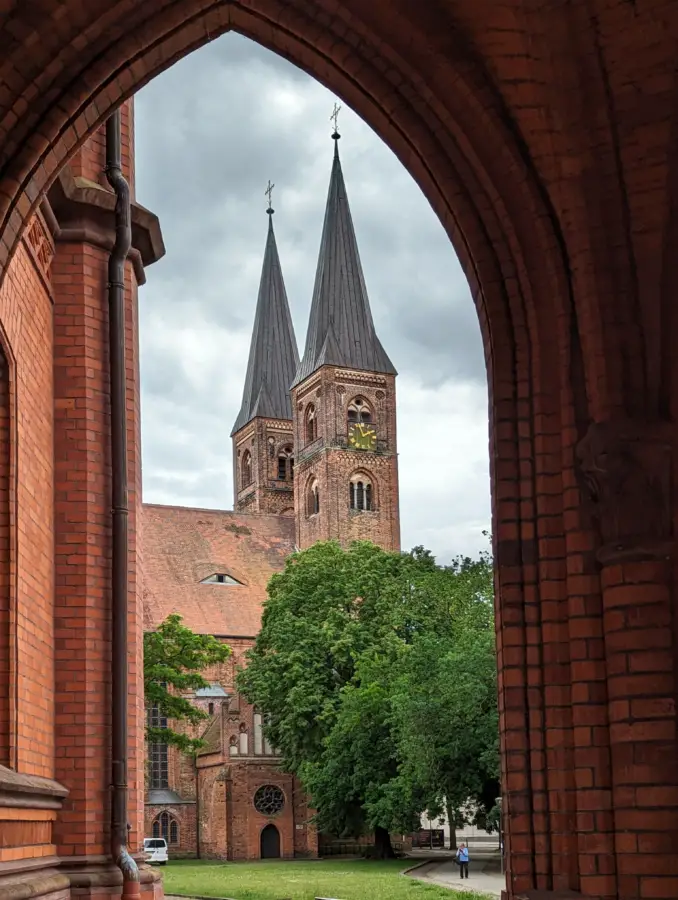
pixel 270 842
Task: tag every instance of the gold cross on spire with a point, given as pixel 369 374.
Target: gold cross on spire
pixel 268 192
pixel 335 116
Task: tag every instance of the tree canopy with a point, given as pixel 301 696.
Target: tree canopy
pixel 377 674
pixel 174 657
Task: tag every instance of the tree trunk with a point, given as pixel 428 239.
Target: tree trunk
pixel 451 821
pixel 382 844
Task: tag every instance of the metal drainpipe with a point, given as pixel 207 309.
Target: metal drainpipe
pixel 119 508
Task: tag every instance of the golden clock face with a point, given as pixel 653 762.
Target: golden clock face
pixel 362 436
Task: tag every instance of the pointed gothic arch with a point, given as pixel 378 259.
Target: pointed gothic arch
pixel 312 496
pixel 359 411
pixel 166 825
pixel 310 423
pixel 467 134
pixel 246 475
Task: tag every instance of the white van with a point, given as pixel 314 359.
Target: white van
pixel 156 850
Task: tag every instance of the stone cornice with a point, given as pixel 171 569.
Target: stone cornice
pixel 18 790
pixel 77 209
pixel 354 377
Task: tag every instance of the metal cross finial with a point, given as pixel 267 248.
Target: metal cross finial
pixel 335 116
pixel 268 192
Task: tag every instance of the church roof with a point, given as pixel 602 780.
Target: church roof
pixel 340 330
pixel 182 546
pixel 274 357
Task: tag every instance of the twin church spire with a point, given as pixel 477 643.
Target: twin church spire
pixel 341 329
pixel 316 440
pixel 274 358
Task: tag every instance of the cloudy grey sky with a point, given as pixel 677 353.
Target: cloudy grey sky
pixel 210 132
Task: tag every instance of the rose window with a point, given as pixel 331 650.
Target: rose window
pixel 269 800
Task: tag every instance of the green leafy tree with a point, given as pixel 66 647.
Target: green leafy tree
pixel 444 696
pixel 345 635
pixel 174 657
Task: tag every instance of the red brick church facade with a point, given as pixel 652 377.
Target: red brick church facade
pixel 314 457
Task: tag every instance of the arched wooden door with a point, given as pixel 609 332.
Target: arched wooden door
pixel 270 842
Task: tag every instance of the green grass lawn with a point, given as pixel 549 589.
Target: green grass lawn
pixel 302 880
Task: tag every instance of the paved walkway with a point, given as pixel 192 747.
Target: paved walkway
pixel 484 876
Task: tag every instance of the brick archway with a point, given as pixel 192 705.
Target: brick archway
pixel 519 125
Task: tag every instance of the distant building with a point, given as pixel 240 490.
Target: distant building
pixel 314 458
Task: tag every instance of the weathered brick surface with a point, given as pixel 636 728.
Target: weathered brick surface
pixel 542 134
pixel 330 461
pixel 223 823
pixel 264 441
pixel 184 815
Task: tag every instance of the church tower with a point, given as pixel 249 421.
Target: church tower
pixel 263 454
pixel 343 399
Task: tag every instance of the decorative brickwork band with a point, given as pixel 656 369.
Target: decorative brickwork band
pixel 627 469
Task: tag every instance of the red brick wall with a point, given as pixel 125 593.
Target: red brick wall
pixel 184 814
pixel 26 316
pixel 263 439
pixel 245 823
pixel 331 462
pixel 228 826
pixel 7 630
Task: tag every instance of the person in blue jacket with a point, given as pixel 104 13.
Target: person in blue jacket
pixel 462 859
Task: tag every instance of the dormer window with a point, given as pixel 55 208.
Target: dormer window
pixel 220 578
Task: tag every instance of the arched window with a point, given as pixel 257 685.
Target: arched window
pixel 246 469
pixel 166 826
pixel 360 492
pixel 286 464
pixel 233 746
pixel 313 498
pixel 311 424
pixel 359 410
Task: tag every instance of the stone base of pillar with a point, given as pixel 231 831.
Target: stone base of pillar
pixel 97 876
pixel 46 884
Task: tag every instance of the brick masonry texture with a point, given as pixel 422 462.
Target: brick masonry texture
pixel 543 136
pixel 329 461
pixel 264 441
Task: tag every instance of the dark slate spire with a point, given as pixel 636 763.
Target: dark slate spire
pixel 274 357
pixel 340 330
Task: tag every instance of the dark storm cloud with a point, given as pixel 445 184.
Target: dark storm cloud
pixel 210 132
